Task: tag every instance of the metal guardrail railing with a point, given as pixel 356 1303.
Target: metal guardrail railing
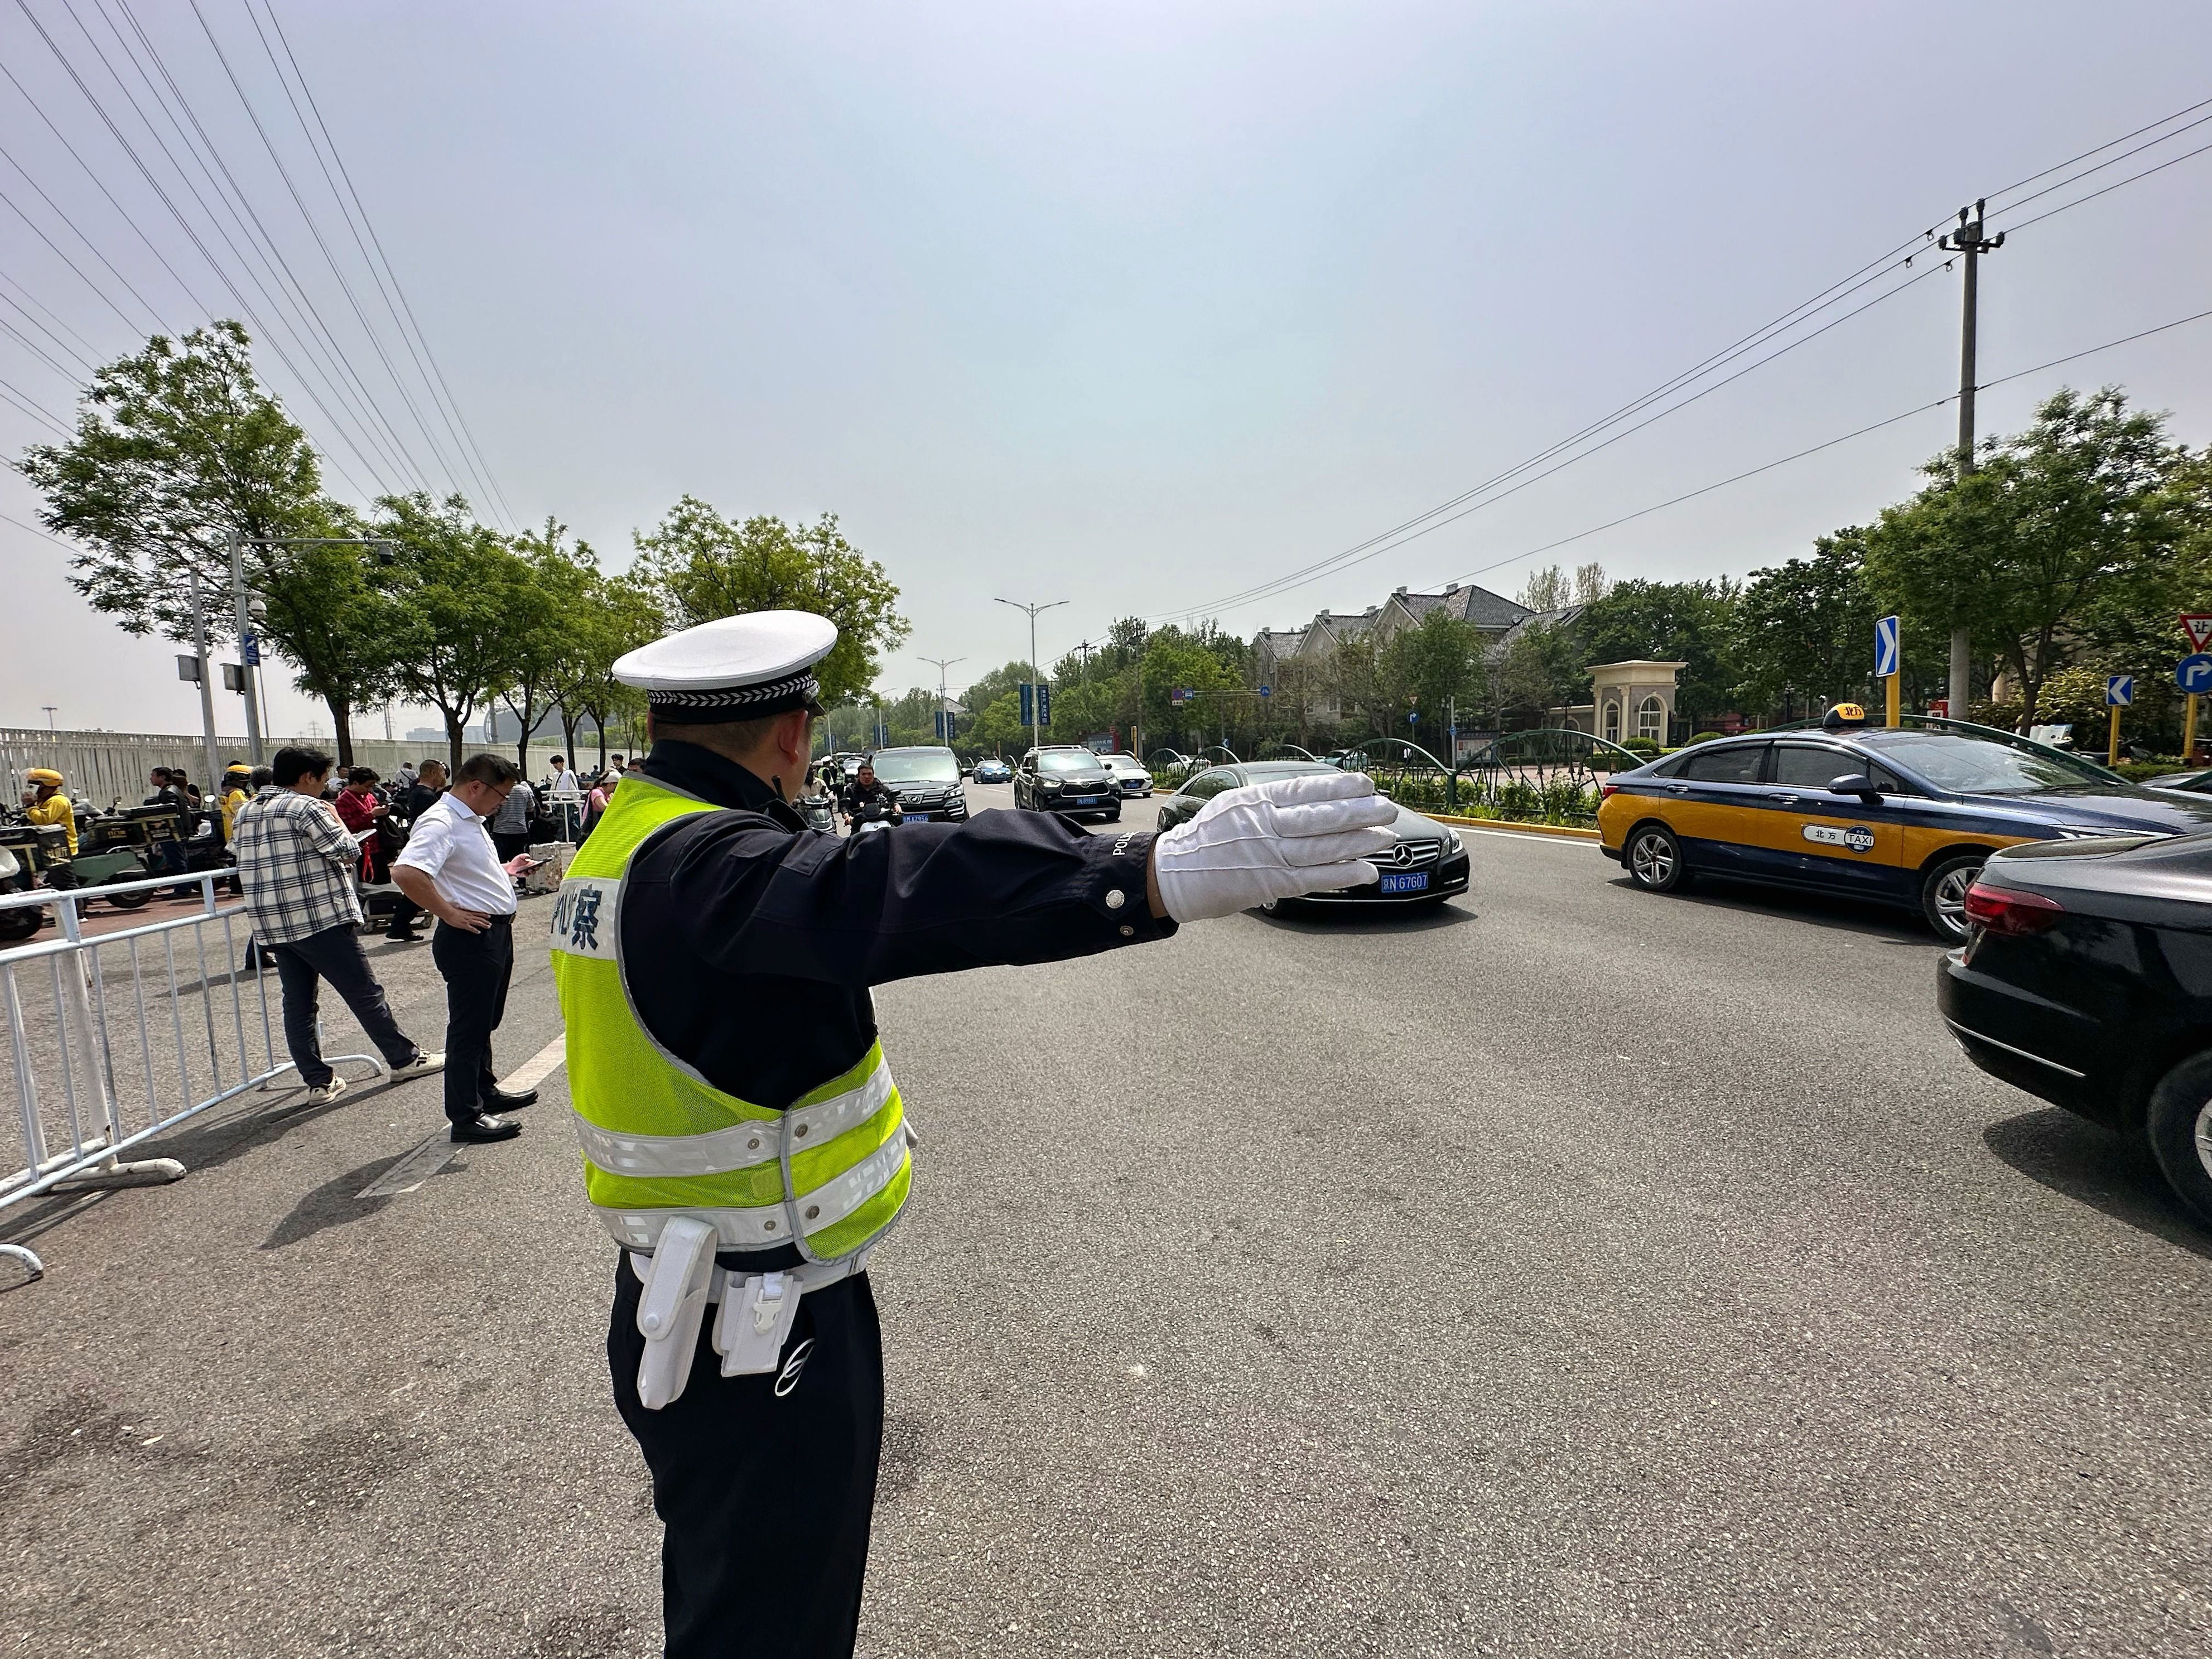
pixel 116 1039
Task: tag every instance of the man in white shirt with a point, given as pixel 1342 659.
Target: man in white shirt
pixel 452 869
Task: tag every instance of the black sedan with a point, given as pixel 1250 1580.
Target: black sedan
pixel 1428 864
pixel 1069 780
pixel 2087 979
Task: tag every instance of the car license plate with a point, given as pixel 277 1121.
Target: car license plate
pixel 1412 882
pixel 917 817
pixel 1086 800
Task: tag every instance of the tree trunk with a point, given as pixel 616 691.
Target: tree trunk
pixel 454 722
pixel 342 729
pixel 599 724
pixel 526 712
pixel 569 733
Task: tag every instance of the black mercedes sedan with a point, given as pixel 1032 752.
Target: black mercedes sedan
pixel 1428 864
pixel 2086 979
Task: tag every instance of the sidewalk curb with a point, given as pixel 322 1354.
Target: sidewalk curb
pixel 1567 830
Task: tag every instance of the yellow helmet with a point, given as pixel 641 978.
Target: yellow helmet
pixel 45 775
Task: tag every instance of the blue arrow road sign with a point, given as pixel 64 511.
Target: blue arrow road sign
pixel 1412 716
pixel 1267 691
pixel 2120 691
pixel 2193 674
pixel 1885 647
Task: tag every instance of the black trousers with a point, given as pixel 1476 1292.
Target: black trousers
pixel 334 954
pixel 404 910
pixel 476 967
pixel 509 845
pixel 743 1478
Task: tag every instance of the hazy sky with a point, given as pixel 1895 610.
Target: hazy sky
pixel 1133 305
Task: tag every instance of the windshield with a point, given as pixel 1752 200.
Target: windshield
pixel 1060 759
pixel 1976 766
pixel 917 766
pixel 1124 763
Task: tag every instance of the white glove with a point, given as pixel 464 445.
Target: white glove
pixel 1310 834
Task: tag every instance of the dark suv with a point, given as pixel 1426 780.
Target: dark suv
pixel 927 781
pixel 1066 780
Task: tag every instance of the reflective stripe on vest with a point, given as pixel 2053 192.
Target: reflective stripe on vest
pixel 830 1174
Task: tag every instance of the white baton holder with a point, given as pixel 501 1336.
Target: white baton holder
pixel 670 1310
pixel 756 1321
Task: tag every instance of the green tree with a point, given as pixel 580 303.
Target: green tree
pixel 1690 623
pixel 1805 627
pixel 1428 668
pixel 701 566
pixel 2076 519
pixel 567 571
pixel 177 449
pixel 469 608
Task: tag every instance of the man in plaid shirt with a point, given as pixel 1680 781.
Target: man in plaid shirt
pixel 295 862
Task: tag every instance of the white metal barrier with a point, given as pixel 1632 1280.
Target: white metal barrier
pixel 117 1038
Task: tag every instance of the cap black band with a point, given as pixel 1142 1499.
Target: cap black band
pixel 719 703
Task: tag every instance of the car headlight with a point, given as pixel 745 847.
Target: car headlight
pixel 1048 783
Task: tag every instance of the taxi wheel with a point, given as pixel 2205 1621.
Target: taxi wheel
pixel 1654 860
pixel 2178 1126
pixel 1943 894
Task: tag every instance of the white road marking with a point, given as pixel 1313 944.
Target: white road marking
pixel 419 1163
pixel 540 1066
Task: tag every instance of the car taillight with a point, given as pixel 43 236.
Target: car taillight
pixel 2008 910
pixel 1607 791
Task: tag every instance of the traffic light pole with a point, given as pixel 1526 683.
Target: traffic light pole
pixel 1968 241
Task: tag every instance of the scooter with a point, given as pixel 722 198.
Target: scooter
pixel 819 811
pixel 877 816
pixel 19 921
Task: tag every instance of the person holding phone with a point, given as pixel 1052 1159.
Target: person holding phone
pixel 450 868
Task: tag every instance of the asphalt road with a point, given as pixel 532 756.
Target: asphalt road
pixel 1565 1272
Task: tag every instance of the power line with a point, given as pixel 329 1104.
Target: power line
pixel 32 406
pixel 31 300
pixel 1390 546
pixel 2117 184
pixel 274 342
pixel 85 167
pixel 337 369
pixel 284 173
pixel 10 519
pixel 1861 432
pixel 1884 264
pixel 2059 166
pixel 128 321
pixel 448 408
pixel 37 350
pixel 2015 207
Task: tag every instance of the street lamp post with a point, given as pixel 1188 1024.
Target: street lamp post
pixel 1037 726
pixel 944 717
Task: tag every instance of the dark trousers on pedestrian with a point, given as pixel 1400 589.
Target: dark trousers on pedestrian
pixel 404 910
pixel 510 844
pixel 740 1462
pixel 476 967
pixel 335 954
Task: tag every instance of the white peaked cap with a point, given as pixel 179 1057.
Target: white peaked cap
pixel 734 668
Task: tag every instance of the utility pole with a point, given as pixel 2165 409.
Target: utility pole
pixel 249 648
pixel 944 721
pixel 207 692
pixel 1037 726
pixel 1967 241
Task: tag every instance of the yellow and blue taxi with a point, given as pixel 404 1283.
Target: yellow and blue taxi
pixel 1900 816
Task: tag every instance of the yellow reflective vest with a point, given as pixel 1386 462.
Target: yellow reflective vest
pixel 829 1172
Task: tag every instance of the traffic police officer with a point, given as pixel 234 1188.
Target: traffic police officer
pixel 743 1138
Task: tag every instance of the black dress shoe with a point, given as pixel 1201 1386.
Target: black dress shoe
pixel 403 939
pixel 497 1101
pixel 484 1127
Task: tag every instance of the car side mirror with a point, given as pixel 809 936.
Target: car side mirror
pixel 1855 783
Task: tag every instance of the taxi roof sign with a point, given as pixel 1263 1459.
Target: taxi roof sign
pixel 1842 715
